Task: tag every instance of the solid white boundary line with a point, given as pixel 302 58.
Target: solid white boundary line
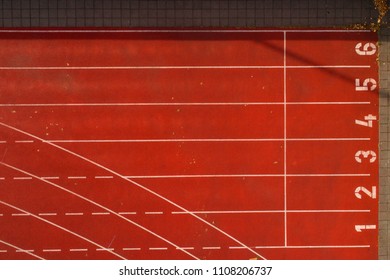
pixel 306 247
pixel 285 135
pixel 270 211
pixel 136 184
pixel 184 104
pixel 60 227
pixel 21 250
pixel 178 67
pixel 98 205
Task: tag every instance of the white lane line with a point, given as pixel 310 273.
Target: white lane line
pixel 3 251
pixel 2 178
pixel 314 247
pixel 50 178
pixel 131 249
pixel 187 248
pixel 88 200
pixel 104 177
pixel 154 213
pixel 20 249
pixel 23 251
pixel 78 250
pixel 47 214
pixel 133 183
pixel 285 135
pixel 200 140
pixel 274 211
pixel 24 141
pixel 105 249
pixel 20 214
pixel 51 250
pixel 183 104
pixel 185 67
pixel 3 142
pixel 77 177
pixel 127 213
pixel 100 213
pixel 74 214
pixel 211 248
pixel 241 175
pixel 159 248
pixel 58 226
pixel 22 178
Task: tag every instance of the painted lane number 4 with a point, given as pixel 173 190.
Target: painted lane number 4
pixel 367 121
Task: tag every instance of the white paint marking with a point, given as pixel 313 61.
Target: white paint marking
pixel 51 250
pixel 3 142
pixel 77 177
pixel 241 175
pixel 47 214
pixel 2 178
pixel 50 178
pixel 22 178
pixel 104 177
pixel 78 250
pixel 211 248
pixel 182 104
pixel 3 251
pixel 101 213
pixel 24 141
pixel 185 67
pixel 20 214
pixel 88 200
pixel 154 213
pixel 285 134
pixel 187 248
pixel 127 213
pixel 131 249
pixel 74 214
pixel 158 248
pixel 20 249
pixel 198 140
pixel 56 225
pixel 105 249
pixel 23 251
pixel 360 228
pixel 274 211
pixel 131 182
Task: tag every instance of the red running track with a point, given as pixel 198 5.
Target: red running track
pixel 188 144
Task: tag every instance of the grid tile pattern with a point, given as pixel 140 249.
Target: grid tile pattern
pixel 223 13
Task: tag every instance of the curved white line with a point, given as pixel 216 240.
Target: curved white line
pixel 137 184
pixel 100 206
pixel 60 227
pixel 20 249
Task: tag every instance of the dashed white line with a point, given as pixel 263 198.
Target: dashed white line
pixel 186 248
pixel 211 248
pixel 158 248
pixel 50 178
pixel 127 213
pixel 22 178
pixel 20 214
pixel 24 251
pixel 104 177
pixel 3 251
pixel 78 250
pixel 77 177
pixel 51 250
pixel 74 214
pixel 24 141
pixel 47 214
pixel 105 249
pixel 131 249
pixel 100 213
pixel 154 213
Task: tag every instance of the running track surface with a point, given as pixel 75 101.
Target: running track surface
pixel 186 144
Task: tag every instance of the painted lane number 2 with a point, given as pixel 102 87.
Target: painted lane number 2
pixel 368 84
